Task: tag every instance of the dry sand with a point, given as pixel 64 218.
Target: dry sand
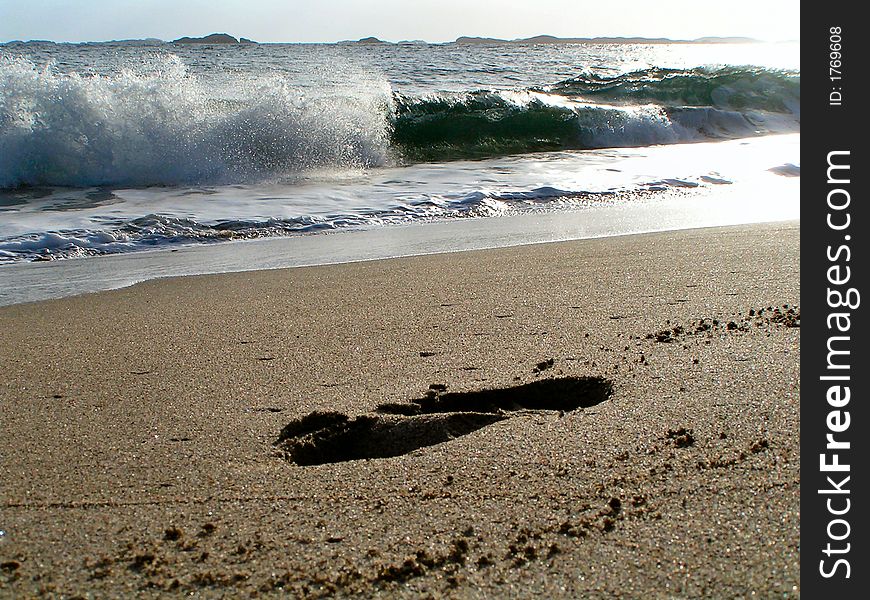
pixel 137 456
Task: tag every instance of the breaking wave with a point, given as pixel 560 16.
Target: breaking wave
pixel 159 125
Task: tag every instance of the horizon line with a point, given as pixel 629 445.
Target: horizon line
pixel 375 39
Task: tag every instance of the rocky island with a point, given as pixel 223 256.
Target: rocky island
pixel 214 38
pixel 365 41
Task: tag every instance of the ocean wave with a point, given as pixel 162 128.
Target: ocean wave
pixel 483 123
pixel 156 124
pixel 650 106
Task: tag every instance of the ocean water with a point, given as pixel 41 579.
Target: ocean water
pixel 116 148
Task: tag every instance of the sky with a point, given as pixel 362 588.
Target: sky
pixel 394 20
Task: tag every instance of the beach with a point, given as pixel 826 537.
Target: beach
pixel 138 452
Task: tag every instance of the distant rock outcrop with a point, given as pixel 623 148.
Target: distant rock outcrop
pixel 479 40
pixel 214 38
pixel 370 40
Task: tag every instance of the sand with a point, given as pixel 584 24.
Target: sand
pixel 653 452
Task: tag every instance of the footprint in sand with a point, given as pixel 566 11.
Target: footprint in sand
pixel 439 416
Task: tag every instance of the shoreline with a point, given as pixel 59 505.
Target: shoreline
pixel 147 419
pixel 37 281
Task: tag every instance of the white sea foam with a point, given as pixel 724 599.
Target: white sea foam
pixel 159 125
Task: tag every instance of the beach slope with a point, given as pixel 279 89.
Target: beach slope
pixel 316 431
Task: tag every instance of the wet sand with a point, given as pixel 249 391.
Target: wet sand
pixel 278 432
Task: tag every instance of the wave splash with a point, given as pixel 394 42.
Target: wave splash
pixel 158 125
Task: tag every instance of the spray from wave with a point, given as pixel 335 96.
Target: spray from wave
pixel 158 125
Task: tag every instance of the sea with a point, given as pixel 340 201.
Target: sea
pixel 122 162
